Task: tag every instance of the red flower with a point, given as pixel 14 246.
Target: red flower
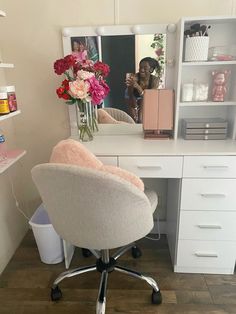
pixel 62 65
pixel 65 84
pixel 62 90
pixel 101 68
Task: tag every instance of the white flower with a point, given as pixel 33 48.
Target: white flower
pixel 79 89
pixel 84 75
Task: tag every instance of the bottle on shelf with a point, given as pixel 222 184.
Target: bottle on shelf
pixel 11 96
pixel 4 106
pixel 3 148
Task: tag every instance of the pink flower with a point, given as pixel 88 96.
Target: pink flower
pixel 96 91
pixel 79 89
pixel 84 80
pixel 159 52
pixel 105 86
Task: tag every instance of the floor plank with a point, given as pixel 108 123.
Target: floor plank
pixel 26 281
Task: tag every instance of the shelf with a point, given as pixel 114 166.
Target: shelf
pixel 2 13
pixel 209 63
pixel 12 157
pixel 6 65
pixel 206 103
pixel 9 115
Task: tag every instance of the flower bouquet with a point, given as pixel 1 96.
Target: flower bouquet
pixel 85 87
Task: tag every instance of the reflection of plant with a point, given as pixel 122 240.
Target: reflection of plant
pixel 158 45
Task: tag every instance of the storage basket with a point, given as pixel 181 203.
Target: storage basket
pixel 196 48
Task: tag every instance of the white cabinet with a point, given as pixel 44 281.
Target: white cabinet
pixel 206 239
pixel 222 35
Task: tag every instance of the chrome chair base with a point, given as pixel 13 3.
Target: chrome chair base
pixel 105 265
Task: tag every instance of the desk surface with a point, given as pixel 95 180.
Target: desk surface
pixel 136 145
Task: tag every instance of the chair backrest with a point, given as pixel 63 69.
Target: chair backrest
pixel 90 208
pixel 119 115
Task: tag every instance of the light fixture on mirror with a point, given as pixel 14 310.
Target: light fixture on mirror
pixel 136 29
pixel 100 30
pixel 171 28
pixel 66 32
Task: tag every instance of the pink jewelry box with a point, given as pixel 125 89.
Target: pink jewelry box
pixel 158 113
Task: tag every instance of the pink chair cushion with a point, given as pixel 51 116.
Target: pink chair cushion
pixel 73 152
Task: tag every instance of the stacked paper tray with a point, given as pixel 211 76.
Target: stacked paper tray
pixel 205 129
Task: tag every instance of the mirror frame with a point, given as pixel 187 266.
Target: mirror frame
pixel 113 30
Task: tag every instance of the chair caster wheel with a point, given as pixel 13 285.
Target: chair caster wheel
pixel 56 294
pixel 86 253
pixel 156 297
pixel 136 252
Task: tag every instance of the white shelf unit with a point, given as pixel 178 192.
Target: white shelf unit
pixel 11 157
pixel 2 13
pixel 10 115
pixel 221 33
pixel 6 65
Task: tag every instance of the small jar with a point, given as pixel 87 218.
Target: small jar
pixel 4 107
pixel 187 92
pixel 11 96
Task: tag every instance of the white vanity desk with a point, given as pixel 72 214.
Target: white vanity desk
pixel 201 197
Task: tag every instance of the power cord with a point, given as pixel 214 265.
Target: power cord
pixel 15 198
pixel 158 233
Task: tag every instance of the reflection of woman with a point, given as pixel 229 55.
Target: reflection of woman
pixel 137 83
pixel 79 51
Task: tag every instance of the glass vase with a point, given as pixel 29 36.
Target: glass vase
pixel 84 120
pixel 93 119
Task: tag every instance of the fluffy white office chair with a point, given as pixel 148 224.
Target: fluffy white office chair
pixel 117 114
pixel 99 211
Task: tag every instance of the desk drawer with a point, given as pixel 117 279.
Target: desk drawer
pixel 153 167
pixel 208 194
pixel 209 166
pixel 206 254
pixel 207 225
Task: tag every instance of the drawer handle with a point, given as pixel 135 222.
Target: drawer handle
pixel 149 167
pixel 213 195
pixel 220 167
pixel 205 226
pixel 199 254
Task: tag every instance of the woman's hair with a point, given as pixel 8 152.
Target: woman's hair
pixel 154 64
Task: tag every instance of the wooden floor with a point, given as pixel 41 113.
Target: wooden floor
pixel 25 286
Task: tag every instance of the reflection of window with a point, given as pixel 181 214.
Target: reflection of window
pixel 152 46
pixel 159 46
pixel 85 47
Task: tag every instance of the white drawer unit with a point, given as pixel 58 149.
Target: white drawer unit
pixel 207 225
pixel 108 160
pixel 208 194
pixel 207 219
pixel 209 167
pixel 153 167
pixel 206 256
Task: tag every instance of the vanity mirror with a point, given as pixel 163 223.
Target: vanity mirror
pixel 122 47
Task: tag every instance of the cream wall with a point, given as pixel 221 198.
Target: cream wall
pixel 30 37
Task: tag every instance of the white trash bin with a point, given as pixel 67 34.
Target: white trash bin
pixel 48 241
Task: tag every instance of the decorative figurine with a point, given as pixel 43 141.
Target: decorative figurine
pixel 219 88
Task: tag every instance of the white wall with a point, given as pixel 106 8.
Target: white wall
pixel 30 37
